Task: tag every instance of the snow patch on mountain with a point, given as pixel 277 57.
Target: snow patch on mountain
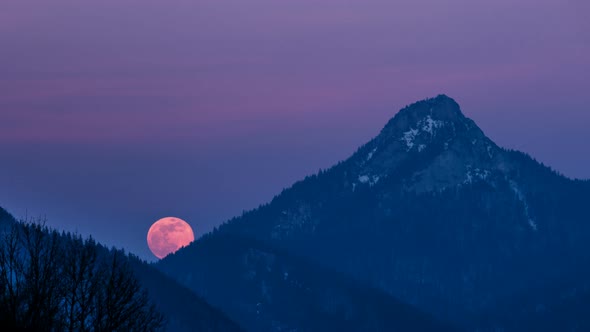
pixel 476 174
pixel 371 180
pixel 427 125
pixel 409 137
pixel 364 178
pixel 521 197
pixel 370 155
pixel 490 153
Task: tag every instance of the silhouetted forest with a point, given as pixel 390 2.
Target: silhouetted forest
pixel 85 264
pixel 48 284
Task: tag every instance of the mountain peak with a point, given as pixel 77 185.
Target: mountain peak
pixel 441 108
pixel 431 145
pixel 427 117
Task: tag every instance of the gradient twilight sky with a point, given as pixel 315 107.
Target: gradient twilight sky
pixel 115 113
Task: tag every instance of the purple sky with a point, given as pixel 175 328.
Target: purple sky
pixel 116 113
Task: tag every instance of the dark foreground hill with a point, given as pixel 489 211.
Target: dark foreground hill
pixel 182 309
pixel 430 211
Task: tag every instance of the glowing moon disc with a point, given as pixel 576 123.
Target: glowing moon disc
pixel 169 234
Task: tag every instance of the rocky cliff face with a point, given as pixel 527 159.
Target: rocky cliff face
pixel 450 149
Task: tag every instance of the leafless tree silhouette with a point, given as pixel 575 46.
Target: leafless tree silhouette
pixel 61 282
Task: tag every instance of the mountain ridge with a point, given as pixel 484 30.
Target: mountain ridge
pixel 430 211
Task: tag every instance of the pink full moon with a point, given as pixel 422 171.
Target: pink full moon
pixel 169 234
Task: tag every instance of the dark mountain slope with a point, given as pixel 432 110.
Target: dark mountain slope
pixel 561 305
pixel 266 289
pixel 430 211
pixel 184 311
